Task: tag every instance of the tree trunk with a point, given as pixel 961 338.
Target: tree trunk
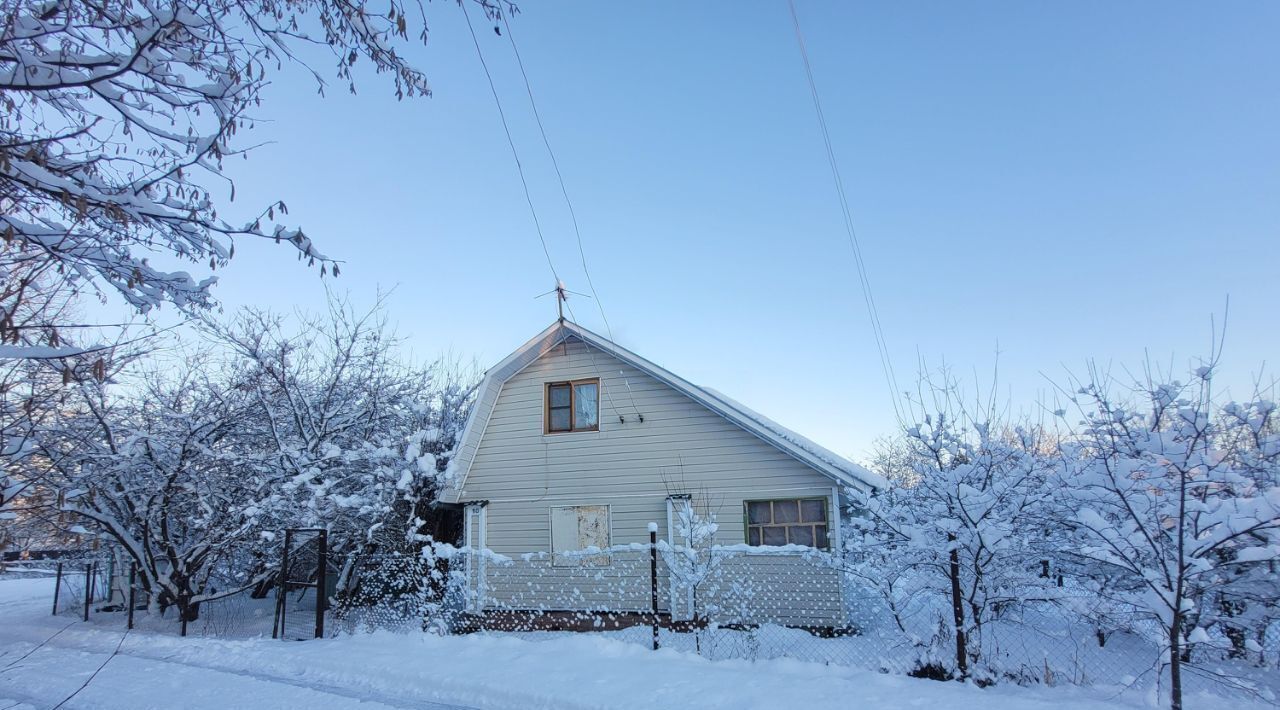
pixel 1175 662
pixel 187 611
pixel 957 610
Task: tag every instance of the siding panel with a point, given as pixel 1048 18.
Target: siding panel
pixel 631 466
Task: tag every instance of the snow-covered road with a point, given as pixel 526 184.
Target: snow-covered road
pixel 45 659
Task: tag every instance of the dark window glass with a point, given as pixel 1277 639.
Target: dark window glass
pixel 813 511
pixel 773 535
pixel 820 535
pixel 753 536
pixel 758 512
pixel 800 535
pixel 786 511
pixel 559 395
pixel 560 419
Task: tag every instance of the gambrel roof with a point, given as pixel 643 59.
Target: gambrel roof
pixel 802 449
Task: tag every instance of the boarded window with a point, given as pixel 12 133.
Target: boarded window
pixel 795 521
pixel 577 528
pixel 573 406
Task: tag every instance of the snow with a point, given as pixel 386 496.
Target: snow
pixel 490 671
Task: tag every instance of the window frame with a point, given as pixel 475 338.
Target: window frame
pixel 604 559
pixel 747 525
pixel 573 402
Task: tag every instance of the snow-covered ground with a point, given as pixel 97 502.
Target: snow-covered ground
pixel 45 659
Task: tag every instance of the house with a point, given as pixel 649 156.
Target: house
pixel 576 443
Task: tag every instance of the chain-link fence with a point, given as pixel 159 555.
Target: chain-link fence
pixel 79 584
pixel 740 602
pixel 230 604
pixel 398 592
pixel 730 602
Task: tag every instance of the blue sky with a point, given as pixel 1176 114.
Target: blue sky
pixel 1055 182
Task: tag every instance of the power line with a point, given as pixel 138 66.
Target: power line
pixel 886 363
pixel 533 212
pixel 573 215
pixel 511 142
pixel 95 673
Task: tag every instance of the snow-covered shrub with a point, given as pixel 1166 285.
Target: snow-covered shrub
pixel 951 545
pixel 1179 500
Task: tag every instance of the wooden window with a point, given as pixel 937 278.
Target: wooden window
pixel 573 406
pixel 575 528
pixel 795 521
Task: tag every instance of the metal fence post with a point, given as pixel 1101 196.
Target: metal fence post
pixel 281 591
pixel 322 561
pixel 133 574
pixel 111 579
pixel 88 588
pixel 57 587
pixel 653 579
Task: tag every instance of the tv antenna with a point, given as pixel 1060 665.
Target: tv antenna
pixel 562 295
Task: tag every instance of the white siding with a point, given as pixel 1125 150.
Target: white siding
pixel 632 466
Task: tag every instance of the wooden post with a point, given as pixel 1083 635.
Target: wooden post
pixel 133 574
pixel 653 580
pixel 57 587
pixel 88 588
pixel 322 562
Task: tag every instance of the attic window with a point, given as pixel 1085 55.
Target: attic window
pixel 798 521
pixel 573 406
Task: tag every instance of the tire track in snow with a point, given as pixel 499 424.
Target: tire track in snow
pixel 367 695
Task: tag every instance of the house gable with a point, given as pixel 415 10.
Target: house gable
pixel 566 351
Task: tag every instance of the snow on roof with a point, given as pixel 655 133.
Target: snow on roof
pixel 802 449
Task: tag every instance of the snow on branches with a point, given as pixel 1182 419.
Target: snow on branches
pixel 955 538
pixel 192 470
pixel 117 117
pixel 1158 516
pixel 1181 498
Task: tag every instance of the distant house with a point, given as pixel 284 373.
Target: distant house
pixel 577 443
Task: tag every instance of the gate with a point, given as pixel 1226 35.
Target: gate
pixel 303 592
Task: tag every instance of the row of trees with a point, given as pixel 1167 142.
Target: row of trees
pixel 1147 507
pixel 190 462
pixel 116 118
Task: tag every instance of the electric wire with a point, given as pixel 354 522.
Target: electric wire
pixel 886 363
pixel 511 142
pixel 90 679
pixel 573 214
pixel 37 647
pixel 533 212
